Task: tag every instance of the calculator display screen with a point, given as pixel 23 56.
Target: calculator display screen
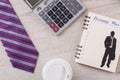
pixel 33 2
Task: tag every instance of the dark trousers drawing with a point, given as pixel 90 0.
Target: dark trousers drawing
pixel 110 45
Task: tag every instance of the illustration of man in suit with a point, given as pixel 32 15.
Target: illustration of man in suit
pixel 110 45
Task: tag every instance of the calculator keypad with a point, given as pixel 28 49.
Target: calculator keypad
pixel 55 9
pixel 59 12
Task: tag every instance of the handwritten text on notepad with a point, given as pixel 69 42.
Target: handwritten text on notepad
pixel 108 22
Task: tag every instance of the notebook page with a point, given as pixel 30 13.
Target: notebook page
pixel 93 42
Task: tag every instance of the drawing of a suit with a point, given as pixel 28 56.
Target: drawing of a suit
pixel 110 45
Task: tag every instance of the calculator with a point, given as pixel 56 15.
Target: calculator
pixel 56 14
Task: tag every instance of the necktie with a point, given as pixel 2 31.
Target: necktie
pixel 16 41
pixel 111 42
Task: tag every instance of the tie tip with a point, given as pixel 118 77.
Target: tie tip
pixel 24 69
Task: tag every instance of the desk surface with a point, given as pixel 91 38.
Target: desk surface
pixel 62 46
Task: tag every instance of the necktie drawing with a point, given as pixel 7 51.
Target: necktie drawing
pixel 18 46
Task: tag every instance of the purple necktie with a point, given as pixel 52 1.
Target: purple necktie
pixel 19 47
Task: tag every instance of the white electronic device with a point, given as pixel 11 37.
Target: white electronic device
pixel 56 14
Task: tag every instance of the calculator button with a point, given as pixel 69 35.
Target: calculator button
pixel 66 2
pixel 57 21
pixel 55 9
pixel 62 16
pixel 48 20
pixel 45 17
pixel 76 4
pixel 39 8
pixel 66 12
pixel 41 13
pixel 65 20
pixel 54 17
pixel 50 13
pixel 60 24
pixel 46 9
pixel 59 4
pixel 63 8
pixel 51 4
pixel 56 29
pixel 52 25
pixel 56 1
pixel 58 12
pixel 79 7
pixel 63 1
pixel 70 16
pixel 73 10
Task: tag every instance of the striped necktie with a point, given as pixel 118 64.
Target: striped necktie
pixel 16 41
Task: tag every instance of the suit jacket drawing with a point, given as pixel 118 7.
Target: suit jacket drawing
pixel 110 50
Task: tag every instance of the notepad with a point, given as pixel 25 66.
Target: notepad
pixel 99 46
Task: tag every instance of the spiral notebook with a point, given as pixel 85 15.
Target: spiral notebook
pixel 99 46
